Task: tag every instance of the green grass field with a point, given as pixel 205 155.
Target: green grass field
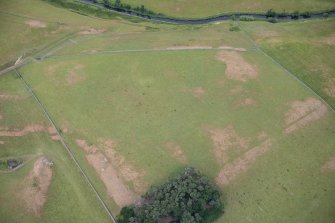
pixel 145 100
pixel 199 8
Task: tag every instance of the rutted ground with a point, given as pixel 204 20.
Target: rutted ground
pixel 113 171
pixel 303 112
pixel 228 144
pixel 232 170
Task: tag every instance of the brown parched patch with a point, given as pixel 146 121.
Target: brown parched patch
pixel 75 75
pixel 36 185
pixel 237 68
pixel 21 132
pixel 231 48
pixel 35 24
pixel 5 97
pixel 303 112
pixel 329 40
pixel 329 166
pixel 199 92
pixel 2 142
pixel 91 31
pixel 176 152
pixel 115 186
pixel 225 140
pixel 127 171
pixel 232 170
pixel 245 102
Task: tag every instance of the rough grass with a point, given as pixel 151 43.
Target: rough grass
pixel 18 38
pixel 200 8
pixel 304 48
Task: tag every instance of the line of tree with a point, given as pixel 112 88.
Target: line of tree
pixel 187 198
pixel 294 15
pixel 118 5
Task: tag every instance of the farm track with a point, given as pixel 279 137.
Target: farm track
pixel 64 144
pixel 148 50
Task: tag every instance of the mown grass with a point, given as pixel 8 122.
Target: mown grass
pixel 199 8
pixel 69 198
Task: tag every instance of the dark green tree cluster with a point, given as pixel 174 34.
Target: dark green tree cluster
pixel 187 198
pixel 117 4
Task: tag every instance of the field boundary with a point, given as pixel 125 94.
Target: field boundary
pixel 46 113
pixel 289 73
pixel 149 50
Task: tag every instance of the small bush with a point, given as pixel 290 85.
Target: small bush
pixel 234 28
pixel 272 20
pixel 282 14
pixel 247 18
pixel 295 15
pixel 270 13
pixel 306 14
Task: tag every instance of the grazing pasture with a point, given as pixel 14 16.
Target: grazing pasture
pixel 137 102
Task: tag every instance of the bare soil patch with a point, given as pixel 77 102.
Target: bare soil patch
pixel 237 90
pixel 245 102
pixel 75 75
pixel 127 171
pixel 232 170
pixel 9 97
pixel 232 48
pixel 176 152
pixel 199 92
pixel 91 31
pixel 2 142
pixel 36 186
pixel 21 132
pixel 303 112
pixel 35 24
pixel 329 166
pixel 225 140
pixel 330 40
pixel 237 68
pixel 116 188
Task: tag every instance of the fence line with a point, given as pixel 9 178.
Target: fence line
pixel 30 90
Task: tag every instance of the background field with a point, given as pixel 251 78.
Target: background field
pixel 305 48
pixel 199 8
pixel 149 97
